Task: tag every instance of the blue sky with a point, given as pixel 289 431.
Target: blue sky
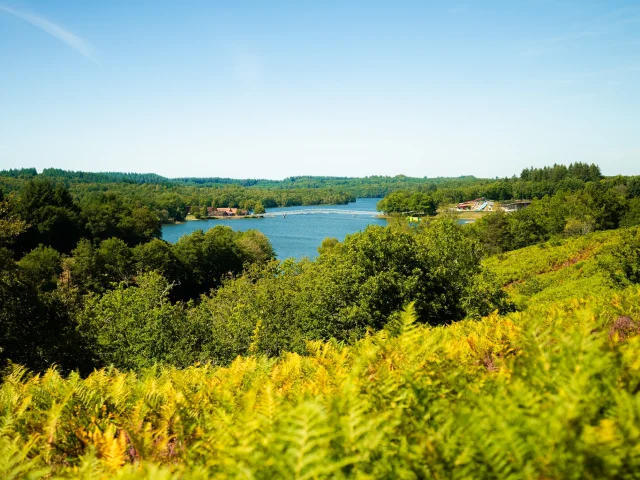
pixel 271 89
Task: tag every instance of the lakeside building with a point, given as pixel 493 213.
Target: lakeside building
pixel 225 212
pixel 515 206
pixel 477 205
pixel 215 212
pixel 483 205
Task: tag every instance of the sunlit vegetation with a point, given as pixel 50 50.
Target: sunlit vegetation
pixel 412 203
pixel 506 349
pixel 549 392
pixel 563 269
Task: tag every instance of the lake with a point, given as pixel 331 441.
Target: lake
pixel 294 231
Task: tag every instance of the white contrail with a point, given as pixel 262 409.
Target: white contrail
pixel 57 31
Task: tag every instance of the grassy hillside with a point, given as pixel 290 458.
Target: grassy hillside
pixel 548 392
pixel 559 269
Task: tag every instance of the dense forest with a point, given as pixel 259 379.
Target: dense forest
pixel 506 348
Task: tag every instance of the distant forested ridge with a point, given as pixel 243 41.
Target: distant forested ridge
pixel 104 177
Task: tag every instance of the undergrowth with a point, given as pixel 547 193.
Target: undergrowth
pixel 547 393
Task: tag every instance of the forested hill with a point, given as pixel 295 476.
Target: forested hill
pixel 362 187
pixel 104 177
pixel 371 186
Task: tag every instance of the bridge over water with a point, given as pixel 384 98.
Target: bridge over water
pixel 321 211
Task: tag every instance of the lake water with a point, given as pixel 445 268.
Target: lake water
pixel 295 231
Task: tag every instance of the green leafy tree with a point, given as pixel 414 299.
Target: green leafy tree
pixel 255 247
pixel 137 326
pixel 623 258
pixel 158 256
pixel 258 208
pixel 494 232
pixel 53 217
pixel 115 261
pixel 41 267
pixel 36 329
pixel 208 258
pixel 10 224
pixel 98 269
pixel 108 215
pixel 85 268
pixel 632 215
pixel 140 225
pixel 328 245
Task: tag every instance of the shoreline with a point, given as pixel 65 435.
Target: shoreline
pixel 190 218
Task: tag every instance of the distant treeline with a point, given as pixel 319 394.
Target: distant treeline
pixel 362 187
pixel 567 201
pixel 105 177
pixel 168 198
pixel 533 183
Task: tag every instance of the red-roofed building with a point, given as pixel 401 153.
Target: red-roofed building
pixel 224 212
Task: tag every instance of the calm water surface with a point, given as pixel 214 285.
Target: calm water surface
pixel 300 232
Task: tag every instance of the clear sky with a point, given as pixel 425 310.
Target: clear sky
pixel 350 88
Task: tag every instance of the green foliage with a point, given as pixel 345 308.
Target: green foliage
pixel 328 245
pixel 578 170
pixel 558 270
pixel 415 203
pixel 258 208
pixel 276 307
pixel 41 268
pixel 210 257
pixel 623 259
pixel 96 269
pixel 494 232
pixel 107 215
pixel 395 354
pixel 157 256
pixel 632 215
pixel 35 326
pixel 548 393
pixel 136 327
pixel 353 287
pixel 10 224
pixel 19 172
pixel 255 247
pixel 595 207
pixel 53 217
pixel 196 264
pixel 268 308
